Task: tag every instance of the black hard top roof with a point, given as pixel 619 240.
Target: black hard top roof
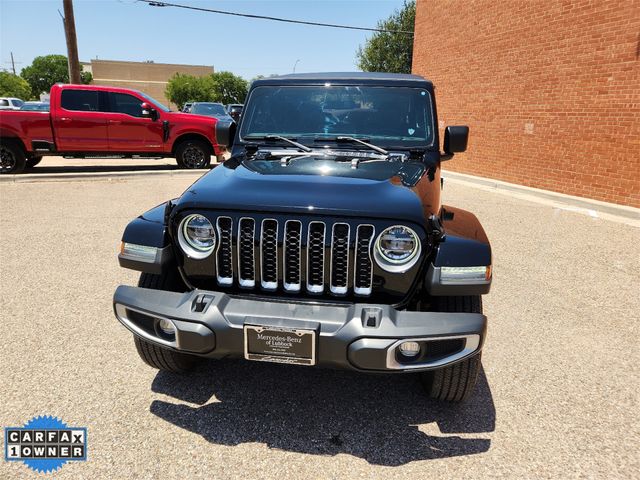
pixel 377 78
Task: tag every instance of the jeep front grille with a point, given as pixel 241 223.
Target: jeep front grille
pixel 292 255
pixel 224 258
pixel 246 255
pixel 315 257
pixel 269 254
pixel 362 281
pixel 339 258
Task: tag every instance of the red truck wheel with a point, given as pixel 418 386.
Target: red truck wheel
pixel 193 154
pixel 12 158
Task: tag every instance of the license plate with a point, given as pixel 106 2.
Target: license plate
pixel 280 345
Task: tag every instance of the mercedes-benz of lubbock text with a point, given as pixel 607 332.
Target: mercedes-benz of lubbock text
pixel 88 120
pixel 322 241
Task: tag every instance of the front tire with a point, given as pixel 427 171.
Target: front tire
pixel 455 383
pixel 193 154
pixel 164 359
pixel 12 158
pixel 154 355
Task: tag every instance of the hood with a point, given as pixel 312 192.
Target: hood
pixel 191 118
pixel 313 185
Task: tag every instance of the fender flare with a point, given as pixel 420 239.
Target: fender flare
pixel 150 230
pixel 465 244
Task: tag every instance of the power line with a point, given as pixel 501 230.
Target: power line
pixel 154 3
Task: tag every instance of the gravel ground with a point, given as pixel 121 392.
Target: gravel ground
pixel 558 397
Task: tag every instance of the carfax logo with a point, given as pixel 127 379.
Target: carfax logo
pixel 44 444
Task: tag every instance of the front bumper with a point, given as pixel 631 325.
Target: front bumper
pixel 358 337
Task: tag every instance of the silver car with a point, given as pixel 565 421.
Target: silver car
pixel 9 103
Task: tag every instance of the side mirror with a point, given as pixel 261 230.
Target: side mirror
pixel 225 132
pixel 148 111
pixel 455 140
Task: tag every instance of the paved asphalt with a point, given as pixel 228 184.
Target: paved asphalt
pixel 558 397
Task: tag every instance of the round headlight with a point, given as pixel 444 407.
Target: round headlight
pixel 196 236
pixel 397 249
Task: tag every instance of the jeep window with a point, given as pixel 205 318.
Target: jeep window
pixel 17 102
pixel 398 116
pixel 80 100
pixel 127 104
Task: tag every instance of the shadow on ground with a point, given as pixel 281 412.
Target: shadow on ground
pixel 103 167
pixel 323 412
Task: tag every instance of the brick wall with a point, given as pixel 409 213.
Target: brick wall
pixel 550 90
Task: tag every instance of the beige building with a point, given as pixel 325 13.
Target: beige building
pixel 148 77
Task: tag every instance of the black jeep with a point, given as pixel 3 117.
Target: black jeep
pixel 321 241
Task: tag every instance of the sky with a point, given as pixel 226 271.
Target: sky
pixel 134 31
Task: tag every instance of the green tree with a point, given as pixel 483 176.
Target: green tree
pixel 390 52
pixel 48 70
pixel 183 88
pixel 228 88
pixel 13 86
pixel 223 87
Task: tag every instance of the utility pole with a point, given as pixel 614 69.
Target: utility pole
pixel 72 43
pixel 13 64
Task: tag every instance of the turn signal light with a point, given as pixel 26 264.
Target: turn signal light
pixel 465 275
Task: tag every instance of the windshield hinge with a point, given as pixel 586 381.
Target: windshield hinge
pixel 397 157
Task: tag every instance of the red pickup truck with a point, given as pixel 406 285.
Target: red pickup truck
pixel 89 120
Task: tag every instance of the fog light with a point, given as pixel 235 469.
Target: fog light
pixel 167 326
pixel 409 349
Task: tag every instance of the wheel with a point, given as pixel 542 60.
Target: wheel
pixel 154 355
pixel 164 359
pixel 33 161
pixel 12 158
pixel 193 154
pixel 456 382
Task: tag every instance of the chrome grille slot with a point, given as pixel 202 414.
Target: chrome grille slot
pixel 363 268
pixel 315 257
pixel 292 255
pixel 246 254
pixel 224 258
pixel 269 254
pixel 339 258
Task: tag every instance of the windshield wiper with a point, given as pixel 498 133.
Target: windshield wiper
pixel 291 141
pixel 352 140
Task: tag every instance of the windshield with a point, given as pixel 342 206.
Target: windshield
pixel 154 101
pixel 43 107
pixel 211 109
pixel 397 116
